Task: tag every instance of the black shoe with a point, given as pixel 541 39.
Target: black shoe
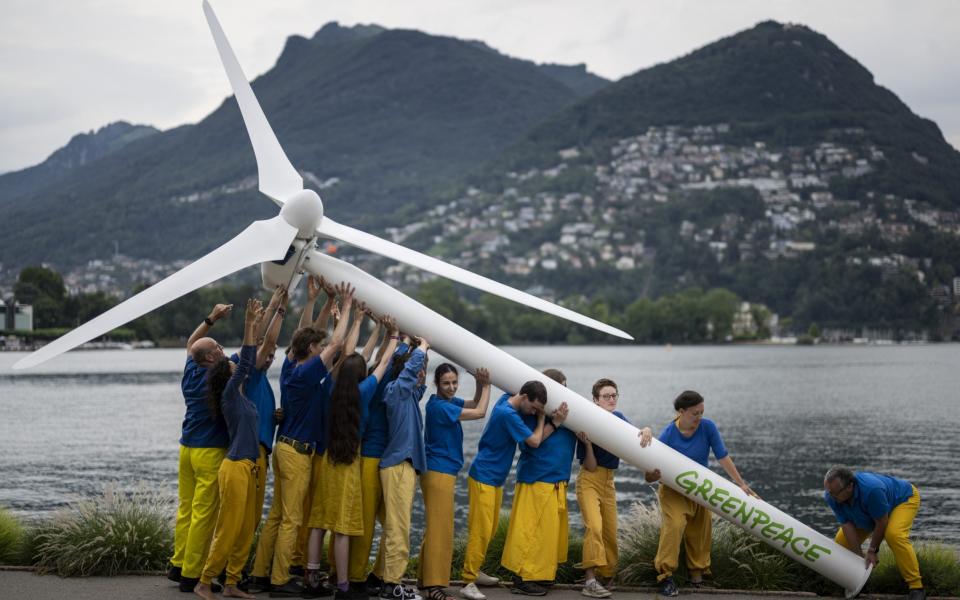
pixel 917 594
pixel 668 588
pixel 350 594
pixel 297 570
pixel 527 588
pixel 372 585
pixel 545 583
pixel 188 583
pixel 173 574
pixel 290 589
pixel 321 590
pixel 397 591
pixel 255 585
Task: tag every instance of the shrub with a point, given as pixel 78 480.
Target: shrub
pixel 114 533
pixel 12 534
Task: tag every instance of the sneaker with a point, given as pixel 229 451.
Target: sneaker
pixel 527 588
pixel 436 593
pixel 668 588
pixel 398 591
pixel 595 590
pixel 484 579
pixel 471 592
pixel 372 585
pixel 256 585
pixel 173 574
pixel 917 594
pixel 290 589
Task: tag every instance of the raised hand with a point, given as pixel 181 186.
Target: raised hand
pixel 424 344
pixel 560 415
pixel 220 311
pixel 645 436
pixel 582 436
pixel 254 311
pixel 651 476
pixel 482 376
pixel 313 288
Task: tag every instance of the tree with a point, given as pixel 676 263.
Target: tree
pixel 44 289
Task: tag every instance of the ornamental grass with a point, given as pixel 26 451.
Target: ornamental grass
pixel 12 538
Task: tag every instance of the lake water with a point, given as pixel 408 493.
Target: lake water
pixel 86 419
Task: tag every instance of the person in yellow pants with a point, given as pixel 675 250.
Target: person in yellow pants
pixel 237 478
pixel 597 497
pixel 443 438
pixel 879 507
pixel 203 444
pixel 498 444
pixel 682 519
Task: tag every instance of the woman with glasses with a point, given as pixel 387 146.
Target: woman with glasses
pixel 683 519
pixel 597 497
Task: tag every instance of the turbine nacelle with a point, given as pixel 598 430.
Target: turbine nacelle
pixel 303 210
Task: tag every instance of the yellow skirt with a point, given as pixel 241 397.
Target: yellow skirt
pixel 338 506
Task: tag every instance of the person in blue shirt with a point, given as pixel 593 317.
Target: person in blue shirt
pixel 597 497
pixel 443 436
pixel 203 444
pixel 304 369
pixel 879 507
pixel 682 519
pixel 237 477
pixel 498 444
pixel 403 459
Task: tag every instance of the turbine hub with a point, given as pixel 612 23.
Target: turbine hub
pixel 304 211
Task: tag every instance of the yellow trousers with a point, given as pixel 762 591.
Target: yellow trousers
pixel 897 536
pixel 236 520
pixel 537 538
pixel 399 483
pixel 198 494
pixel 682 519
pixel 597 497
pixel 261 482
pixel 482 521
pixel 436 551
pixel 293 470
pixel 263 559
pixel 372 501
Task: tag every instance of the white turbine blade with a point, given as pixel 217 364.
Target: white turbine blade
pixel 380 246
pixel 260 242
pixel 278 179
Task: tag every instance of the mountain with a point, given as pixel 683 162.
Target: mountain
pixel 376 119
pixel 81 150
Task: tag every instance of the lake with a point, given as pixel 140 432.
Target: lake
pixel 89 418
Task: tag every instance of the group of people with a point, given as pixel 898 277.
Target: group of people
pixel 349 442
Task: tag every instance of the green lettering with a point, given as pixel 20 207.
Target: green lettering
pixel 760 518
pixel 730 504
pixel 743 514
pixel 786 535
pixel 796 541
pixel 719 495
pixel 770 530
pixel 811 553
pixel 705 486
pixel 687 480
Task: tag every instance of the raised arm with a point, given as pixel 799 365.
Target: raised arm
pixel 350 343
pixel 481 397
pixel 391 345
pixel 219 311
pixel 589 458
pixel 537 436
pixel 275 319
pixel 374 336
pixel 251 323
pixel 313 290
pixel 345 291
pixel 556 420
pixel 324 317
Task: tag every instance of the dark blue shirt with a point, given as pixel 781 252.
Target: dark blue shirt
pixel 443 435
pixel 301 397
pixel 260 392
pixel 374 427
pixel 239 412
pixel 405 439
pixel 874 496
pixel 697 446
pixel 605 459
pixel 505 429
pixel 550 462
pixel 200 429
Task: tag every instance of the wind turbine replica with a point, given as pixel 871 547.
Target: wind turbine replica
pixel 285 247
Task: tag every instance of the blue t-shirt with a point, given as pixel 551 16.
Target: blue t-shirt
pixel 874 496
pixel 200 429
pixel 402 398
pixel 239 412
pixel 551 461
pixel 301 397
pixel 605 459
pixel 443 435
pixel 505 429
pixel 697 446
pixel 375 430
pixel 260 392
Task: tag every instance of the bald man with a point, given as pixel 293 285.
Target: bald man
pixel 203 444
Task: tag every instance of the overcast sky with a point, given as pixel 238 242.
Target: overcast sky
pixel 69 67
